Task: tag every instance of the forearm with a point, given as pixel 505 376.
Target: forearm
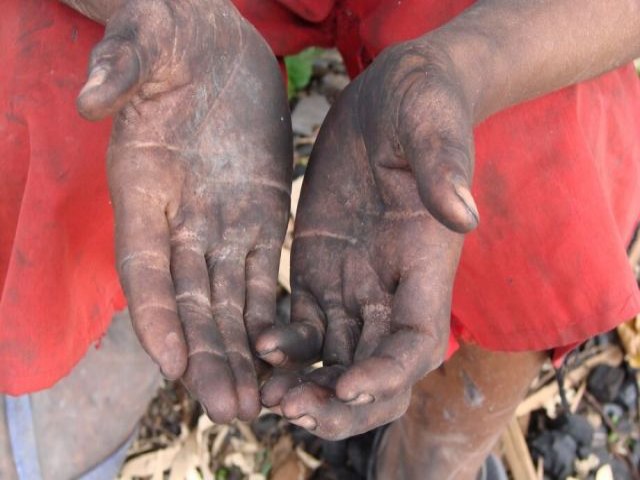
pixel 98 10
pixel 509 51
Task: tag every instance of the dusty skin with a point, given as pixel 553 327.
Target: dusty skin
pixel 372 267
pixel 199 172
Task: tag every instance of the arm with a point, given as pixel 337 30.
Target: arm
pixel 98 10
pixel 509 51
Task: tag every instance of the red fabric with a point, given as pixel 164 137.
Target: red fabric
pixel 556 184
pixel 59 287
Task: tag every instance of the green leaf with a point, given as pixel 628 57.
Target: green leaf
pixel 300 68
pixel 222 474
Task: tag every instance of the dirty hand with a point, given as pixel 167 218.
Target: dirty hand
pixel 199 169
pixel 379 232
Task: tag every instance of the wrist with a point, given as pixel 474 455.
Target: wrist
pixel 474 64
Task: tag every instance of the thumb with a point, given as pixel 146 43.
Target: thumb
pixel 114 77
pixel 436 137
pixel 443 174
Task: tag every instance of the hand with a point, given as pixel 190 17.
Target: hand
pixel 376 245
pixel 199 170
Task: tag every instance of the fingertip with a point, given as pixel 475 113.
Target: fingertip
pixel 288 345
pixel 173 358
pixel 291 407
pixel 267 348
pixel 274 357
pixel 464 194
pixel 305 421
pixel 369 381
pixel 209 379
pixel 452 205
pixel 267 345
pixel 114 77
pixel 86 101
pixel 222 410
pixel 274 390
pixel 248 405
pixel 361 399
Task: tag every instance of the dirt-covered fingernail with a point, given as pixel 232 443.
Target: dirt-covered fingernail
pixel 306 421
pixel 464 194
pixel 96 78
pixel 361 399
pixel 274 356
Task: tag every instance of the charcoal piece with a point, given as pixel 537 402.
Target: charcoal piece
pixel 324 473
pixel 614 411
pixel 359 452
pixel 304 150
pixel 600 436
pixel 620 469
pixel 559 451
pixel 628 395
pixel 608 338
pixel 634 455
pixel 266 428
pixel 584 451
pixel 334 453
pixel 604 382
pixel 577 426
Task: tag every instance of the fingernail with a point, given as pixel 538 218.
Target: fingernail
pixel 465 195
pixel 362 399
pixel 306 422
pixel 273 356
pixel 96 78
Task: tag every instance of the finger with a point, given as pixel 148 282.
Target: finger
pixel 301 341
pixel 367 296
pixel 442 164
pixel 283 380
pixel 208 377
pixel 316 408
pixel 114 75
pixel 420 326
pixel 142 249
pixel 341 338
pixel 210 380
pixel 376 319
pixel 228 300
pixel 261 293
pixel 277 387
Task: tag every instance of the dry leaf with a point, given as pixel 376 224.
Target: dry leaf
pixel 629 333
pixel 284 273
pixel 604 473
pixel 291 469
pixel 296 188
pixel 246 463
pixel 247 433
pixel 585 466
pixel 281 450
pixel 186 461
pixel 152 464
pixel 311 462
